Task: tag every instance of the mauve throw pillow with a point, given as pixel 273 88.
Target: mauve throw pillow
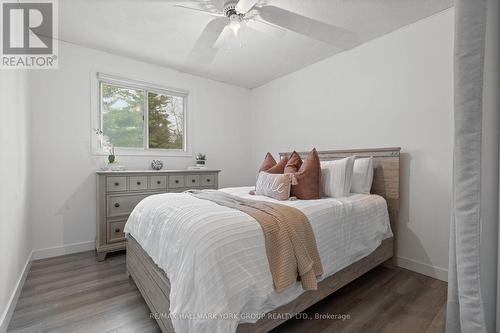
pixel 279 167
pixel 270 166
pixel 268 163
pixel 308 178
pixel 294 163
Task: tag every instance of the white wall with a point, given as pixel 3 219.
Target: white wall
pixel 396 90
pixel 64 181
pixel 15 228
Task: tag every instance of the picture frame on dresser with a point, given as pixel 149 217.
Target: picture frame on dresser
pixel 118 192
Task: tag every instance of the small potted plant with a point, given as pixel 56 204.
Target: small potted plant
pixel 111 156
pixel 108 149
pixel 200 160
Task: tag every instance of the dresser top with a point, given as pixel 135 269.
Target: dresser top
pixel 153 172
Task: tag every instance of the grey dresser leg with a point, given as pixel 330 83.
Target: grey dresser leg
pixel 101 256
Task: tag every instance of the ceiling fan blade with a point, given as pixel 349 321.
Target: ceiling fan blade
pixel 162 1
pixel 243 6
pixel 203 52
pixel 224 38
pixel 306 26
pixel 201 11
pixel 266 27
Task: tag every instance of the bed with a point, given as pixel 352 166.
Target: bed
pixel 210 270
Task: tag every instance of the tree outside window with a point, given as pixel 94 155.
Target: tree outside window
pixel 142 118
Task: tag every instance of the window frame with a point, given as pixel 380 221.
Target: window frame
pixel 98 78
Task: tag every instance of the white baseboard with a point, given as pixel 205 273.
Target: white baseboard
pixel 62 250
pixel 9 310
pixel 423 268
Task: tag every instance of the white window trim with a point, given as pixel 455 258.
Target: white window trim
pixel 97 77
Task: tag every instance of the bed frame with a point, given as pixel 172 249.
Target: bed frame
pixel 155 286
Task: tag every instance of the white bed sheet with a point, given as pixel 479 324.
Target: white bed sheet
pixel 215 256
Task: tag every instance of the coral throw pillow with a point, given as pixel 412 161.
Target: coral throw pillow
pixel 268 163
pixel 294 163
pixel 270 166
pixel 308 176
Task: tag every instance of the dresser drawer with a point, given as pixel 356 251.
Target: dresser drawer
pixel 175 181
pixel 138 183
pixel 158 182
pixel 115 231
pixel 116 184
pixel 192 180
pixel 207 180
pixel 119 205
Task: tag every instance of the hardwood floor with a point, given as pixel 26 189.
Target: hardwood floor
pixel 76 293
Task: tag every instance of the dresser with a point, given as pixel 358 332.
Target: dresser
pixel 118 192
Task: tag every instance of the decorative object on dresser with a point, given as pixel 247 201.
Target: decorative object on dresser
pixel 118 192
pixel 108 148
pixel 157 165
pixel 201 160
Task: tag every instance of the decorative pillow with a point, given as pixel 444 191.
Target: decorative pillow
pixel 270 166
pixel 336 177
pixel 307 177
pixel 279 167
pixel 294 163
pixel 268 162
pixel 362 175
pixel 276 186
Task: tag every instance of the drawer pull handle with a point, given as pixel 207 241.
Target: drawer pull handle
pixel 117 205
pixel 117 184
pixel 158 182
pixel 177 181
pixel 117 230
pixel 138 183
pixel 208 180
pixel 193 180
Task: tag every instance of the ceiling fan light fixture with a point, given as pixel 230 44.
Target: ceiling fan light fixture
pixel 235 22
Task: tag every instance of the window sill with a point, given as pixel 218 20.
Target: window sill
pixel 152 152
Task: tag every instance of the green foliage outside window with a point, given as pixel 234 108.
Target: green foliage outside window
pixel 165 121
pixel 123 117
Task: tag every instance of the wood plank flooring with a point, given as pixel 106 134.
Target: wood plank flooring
pixel 75 293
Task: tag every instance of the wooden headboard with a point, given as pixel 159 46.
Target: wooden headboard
pixel 385 175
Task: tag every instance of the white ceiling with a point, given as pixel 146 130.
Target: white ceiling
pixel 157 32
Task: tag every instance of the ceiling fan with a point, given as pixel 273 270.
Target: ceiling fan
pixel 243 14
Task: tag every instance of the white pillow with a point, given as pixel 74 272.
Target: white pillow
pixel 362 175
pixel 336 177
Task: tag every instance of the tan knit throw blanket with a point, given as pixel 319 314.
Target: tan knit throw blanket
pixel 290 243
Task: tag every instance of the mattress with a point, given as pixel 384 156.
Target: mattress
pixel 215 256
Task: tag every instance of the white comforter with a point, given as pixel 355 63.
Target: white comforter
pixel 215 256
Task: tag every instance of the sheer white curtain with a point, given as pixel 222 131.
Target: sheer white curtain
pixel 473 304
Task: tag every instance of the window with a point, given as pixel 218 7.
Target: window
pixel 122 111
pixel 136 116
